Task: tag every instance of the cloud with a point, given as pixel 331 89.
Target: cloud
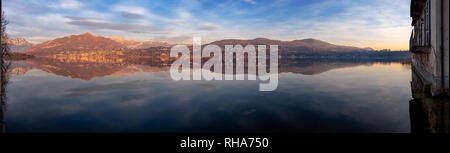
pixel 144 16
pixel 67 4
pixel 132 9
pixel 98 24
pixel 208 27
pixel 250 1
pixel 132 16
pixel 39 28
pixel 95 14
pixel 182 39
pixel 377 24
pixel 184 14
pixel 35 8
pixel 135 28
pixel 23 7
pixel 78 18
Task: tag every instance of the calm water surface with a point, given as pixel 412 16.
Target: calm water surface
pixel 47 96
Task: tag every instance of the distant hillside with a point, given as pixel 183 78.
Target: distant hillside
pixel 123 41
pixel 139 45
pixel 299 46
pixel 85 42
pixel 149 44
pixel 89 43
pixel 18 44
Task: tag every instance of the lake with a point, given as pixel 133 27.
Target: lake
pixel 313 96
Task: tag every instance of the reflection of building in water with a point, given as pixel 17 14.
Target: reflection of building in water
pixel 18 68
pixel 92 56
pixel 428 114
pixel 429 44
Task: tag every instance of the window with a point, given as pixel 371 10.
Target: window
pixel 423 31
pixel 420 33
pixel 427 24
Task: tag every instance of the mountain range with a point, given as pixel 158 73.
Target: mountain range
pixel 303 46
pixel 89 43
pixel 18 44
pixel 139 45
pixel 74 43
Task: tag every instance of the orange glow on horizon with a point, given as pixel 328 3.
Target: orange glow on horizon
pixel 391 46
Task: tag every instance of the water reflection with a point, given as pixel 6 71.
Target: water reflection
pixel 4 67
pixel 2 102
pixel 314 96
pixel 428 114
pixel 88 70
pixel 139 96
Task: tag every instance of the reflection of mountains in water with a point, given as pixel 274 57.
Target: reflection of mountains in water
pixel 87 70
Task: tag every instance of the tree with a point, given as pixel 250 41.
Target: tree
pixel 4 68
pixel 4 42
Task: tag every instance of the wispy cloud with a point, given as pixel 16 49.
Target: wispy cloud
pixel 181 39
pixel 96 25
pixel 132 9
pixel 67 4
pixel 250 1
pixel 146 17
pixel 381 24
pixel 208 27
pixel 128 15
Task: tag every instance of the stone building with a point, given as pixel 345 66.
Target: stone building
pixel 429 44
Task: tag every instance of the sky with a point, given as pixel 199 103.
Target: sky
pixel 378 24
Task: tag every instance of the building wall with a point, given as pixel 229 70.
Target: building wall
pixel 446 43
pixel 435 35
pixel 428 66
pixel 437 44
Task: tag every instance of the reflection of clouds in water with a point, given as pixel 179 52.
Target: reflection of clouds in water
pixel 358 94
pixel 207 85
pixel 249 112
pixel 132 97
pixel 75 94
pixel 30 73
pixel 338 100
pixel 109 87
